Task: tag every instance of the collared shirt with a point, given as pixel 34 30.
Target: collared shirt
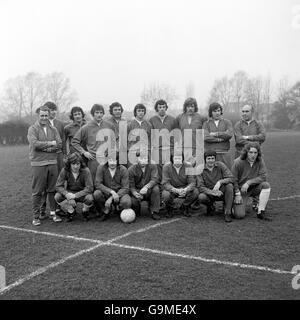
pixel 208 178
pixel 254 128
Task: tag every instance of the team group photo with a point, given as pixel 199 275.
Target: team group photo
pixel 149 151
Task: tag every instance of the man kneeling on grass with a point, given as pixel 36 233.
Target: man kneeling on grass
pixel 74 187
pixel 250 174
pixel 215 183
pixel 143 183
pixel 177 184
pixel 112 188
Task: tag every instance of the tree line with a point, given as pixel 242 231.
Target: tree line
pixel 278 106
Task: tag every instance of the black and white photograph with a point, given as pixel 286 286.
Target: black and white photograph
pixel 150 153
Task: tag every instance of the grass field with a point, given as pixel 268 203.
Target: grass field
pixel 181 258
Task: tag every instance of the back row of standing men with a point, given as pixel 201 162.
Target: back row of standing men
pixel 50 141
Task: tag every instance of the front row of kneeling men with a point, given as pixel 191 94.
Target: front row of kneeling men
pixel 116 188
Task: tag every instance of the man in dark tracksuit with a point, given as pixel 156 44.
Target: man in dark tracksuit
pixel 143 184
pixel 250 177
pixel 215 183
pixel 85 140
pixel 77 116
pixel 177 183
pixel 44 142
pixel 112 188
pixel 74 185
pixel 162 121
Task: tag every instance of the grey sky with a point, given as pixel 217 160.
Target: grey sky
pixel 111 49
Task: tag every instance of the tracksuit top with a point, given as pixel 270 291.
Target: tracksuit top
pixel 221 142
pixel 207 179
pixel 105 182
pixel 85 139
pixel 243 172
pixel 40 152
pixel 82 186
pixel 254 128
pixel 70 130
pixel 196 123
pixel 138 179
pixel 171 179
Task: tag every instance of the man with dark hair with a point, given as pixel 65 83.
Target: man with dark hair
pixel 77 116
pixel 215 183
pixel 143 183
pixel 139 132
pixel 162 121
pixel 190 119
pixel 85 140
pixel 250 174
pixel 112 188
pixel 248 129
pixel 74 186
pixel 217 134
pixel 116 111
pixel 44 143
pixel 178 185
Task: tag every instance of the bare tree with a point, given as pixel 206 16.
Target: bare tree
pixel 58 90
pixel 190 90
pixel 222 92
pixel 34 92
pixel 239 82
pixel 14 96
pixel 156 91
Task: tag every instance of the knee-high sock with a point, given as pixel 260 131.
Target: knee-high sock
pixel 263 199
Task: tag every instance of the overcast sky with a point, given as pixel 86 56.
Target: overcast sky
pixel 111 49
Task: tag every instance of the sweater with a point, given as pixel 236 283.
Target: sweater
pixel 207 179
pixel 40 151
pixel 139 179
pixel 171 179
pixel 82 186
pixel 70 130
pixel 106 183
pixel 196 123
pixel 86 137
pixel 254 129
pixel 243 172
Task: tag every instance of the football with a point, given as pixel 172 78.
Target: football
pixel 127 215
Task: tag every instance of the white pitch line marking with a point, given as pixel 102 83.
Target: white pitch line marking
pixel 185 256
pixel 143 229
pixel 50 266
pixel 79 253
pixel 50 234
pixel 285 198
